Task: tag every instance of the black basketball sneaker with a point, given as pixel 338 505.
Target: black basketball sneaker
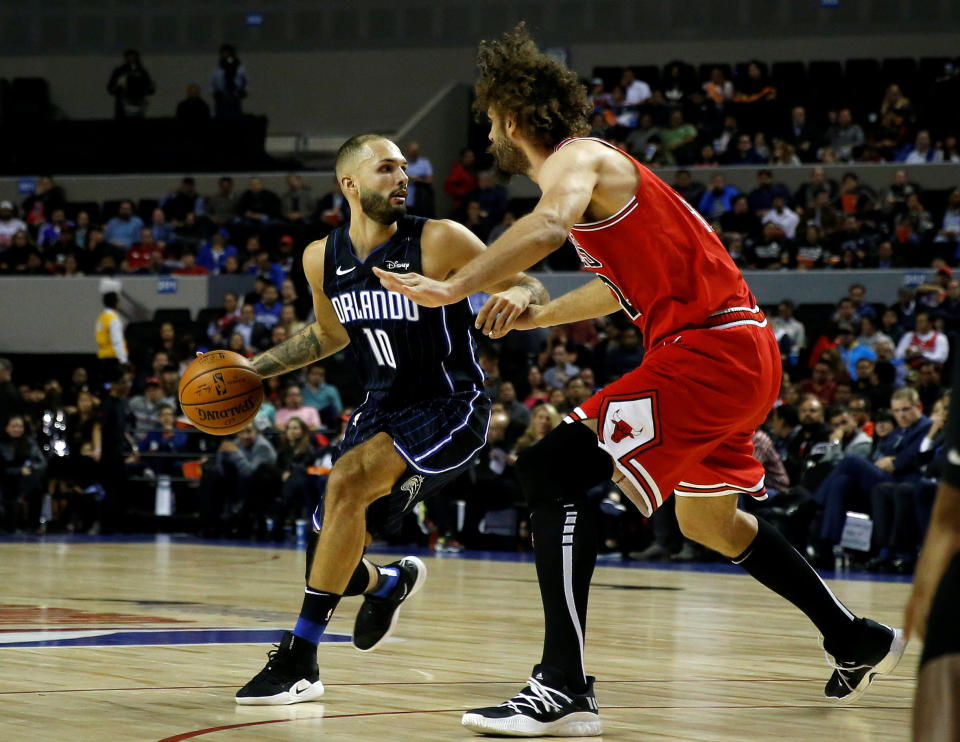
pixel 378 616
pixel 879 651
pixel 290 676
pixel 540 710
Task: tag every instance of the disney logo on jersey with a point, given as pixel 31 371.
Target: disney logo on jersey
pixel 393 265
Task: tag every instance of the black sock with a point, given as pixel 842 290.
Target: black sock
pixel 565 541
pixel 315 614
pixel 359 581
pixel 773 562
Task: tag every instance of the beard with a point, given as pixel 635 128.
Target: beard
pixel 379 208
pixel 508 157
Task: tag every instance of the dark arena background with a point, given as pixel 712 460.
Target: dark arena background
pixel 163 166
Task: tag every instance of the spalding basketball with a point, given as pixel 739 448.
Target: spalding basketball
pixel 220 392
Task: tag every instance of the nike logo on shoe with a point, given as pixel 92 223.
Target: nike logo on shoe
pixel 301 687
pixel 342 272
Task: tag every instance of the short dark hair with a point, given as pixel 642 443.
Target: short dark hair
pixel 110 299
pixel 349 149
pixel 548 99
pixel 788 414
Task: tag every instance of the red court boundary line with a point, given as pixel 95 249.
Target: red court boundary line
pixel 435 682
pixel 227 727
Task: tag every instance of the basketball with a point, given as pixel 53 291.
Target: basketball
pixel 220 392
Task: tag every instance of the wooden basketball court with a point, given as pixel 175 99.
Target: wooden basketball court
pixel 679 655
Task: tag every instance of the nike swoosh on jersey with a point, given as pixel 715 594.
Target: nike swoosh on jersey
pixel 342 272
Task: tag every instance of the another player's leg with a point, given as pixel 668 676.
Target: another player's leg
pixel 558 699
pixel 362 475
pixel 858 648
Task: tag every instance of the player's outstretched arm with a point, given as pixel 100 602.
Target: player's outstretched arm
pixel 593 299
pixel 567 178
pixel 323 338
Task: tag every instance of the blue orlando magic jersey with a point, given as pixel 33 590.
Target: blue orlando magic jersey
pixel 402 349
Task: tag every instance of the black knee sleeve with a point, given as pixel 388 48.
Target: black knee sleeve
pixel 312 539
pixel 563 466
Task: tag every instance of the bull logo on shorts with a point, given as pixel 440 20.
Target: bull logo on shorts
pixel 622 429
pixel 412 488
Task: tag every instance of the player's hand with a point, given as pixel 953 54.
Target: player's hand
pixel 228 446
pixel 497 317
pixel 886 464
pixel 424 291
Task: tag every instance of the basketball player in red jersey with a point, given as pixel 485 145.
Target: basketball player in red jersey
pixel 682 423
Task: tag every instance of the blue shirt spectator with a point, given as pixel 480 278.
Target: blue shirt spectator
pixel 124 229
pixel 267 310
pixel 718 199
pixel 319 394
pixel 212 255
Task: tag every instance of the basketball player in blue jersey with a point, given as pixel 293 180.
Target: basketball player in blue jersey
pixel 424 415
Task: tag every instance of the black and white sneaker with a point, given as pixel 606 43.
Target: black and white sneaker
pixel 883 646
pixel 290 676
pixel 378 616
pixel 540 711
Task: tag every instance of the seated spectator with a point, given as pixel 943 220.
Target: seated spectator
pixel 636 91
pixel 718 199
pixel 576 392
pixel 923 343
pixel 821 214
pixel 821 383
pixel 296 454
pixel 921 152
pixel 212 255
pixel 718 89
pixel 164 233
pixel 518 413
pixel 788 330
pixel 805 440
pixel 289 320
pixel 761 197
pixel 854 197
pixel 236 491
pixel 258 206
pixel 238 344
pixel 783 153
pixel 498 229
pixel 264 267
pixel 928 384
pixel 846 438
pixel 929 295
pixel 537 391
pixel 49 232
pixel 491 197
pixel 817 181
pixel 810 251
pixel 125 228
pixel 870 333
pixel 740 222
pixel 462 177
pixel 949 227
pixel 744 153
pixel 293 406
pixel 222 208
pixel 477 220
pixel 146 407
pixel 9 224
pixel 895 100
pixel 544 419
pixel 783 216
pixel 895 199
pixel 254 334
pixel 771 251
pixel 708 157
pixel 639 138
pixel 193 110
pixel 679 139
pixel 298 203
pixel 691 190
pixel 802 136
pixel 231 313
pixel 852 237
pixel 182 201
pixel 420 198
pixel 267 310
pixel 563 368
pixel 189 267
pixel 845 137
pixel 625 356
pixel 22 477
pixel 850 351
pixel 898 461
pixel 947 312
pixel 146 256
pixel 46 198
pixel 333 209
pixel 322 396
pixel 164 438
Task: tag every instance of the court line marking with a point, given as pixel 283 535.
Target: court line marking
pixel 226 727
pixel 698 681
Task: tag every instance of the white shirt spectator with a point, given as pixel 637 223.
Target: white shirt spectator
pixel 786 219
pixel 637 92
pixel 419 168
pixel 9 227
pixel 792 328
pixel 933 346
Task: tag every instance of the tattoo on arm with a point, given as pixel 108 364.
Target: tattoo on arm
pixel 300 350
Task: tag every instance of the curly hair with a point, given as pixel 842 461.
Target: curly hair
pixel 549 100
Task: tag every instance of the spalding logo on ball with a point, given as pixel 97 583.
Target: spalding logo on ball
pixel 220 392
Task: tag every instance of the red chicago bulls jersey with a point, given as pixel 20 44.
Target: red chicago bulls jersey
pixel 666 266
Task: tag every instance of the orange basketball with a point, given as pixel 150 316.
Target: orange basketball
pixel 220 392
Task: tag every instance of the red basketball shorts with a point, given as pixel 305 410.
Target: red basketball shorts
pixel 683 422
